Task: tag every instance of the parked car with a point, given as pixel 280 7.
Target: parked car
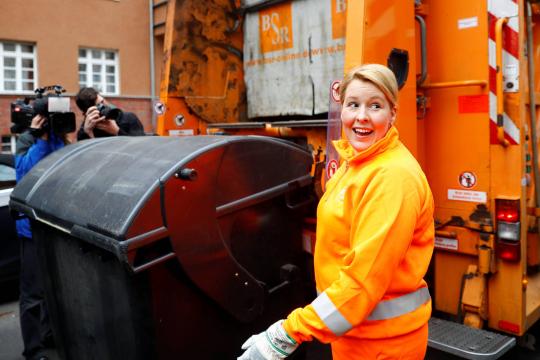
pixel 9 244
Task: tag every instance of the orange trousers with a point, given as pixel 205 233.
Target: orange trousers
pixel 411 346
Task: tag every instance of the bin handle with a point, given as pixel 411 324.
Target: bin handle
pixel 298 205
pixel 289 275
pixel 288 201
pixel 154 262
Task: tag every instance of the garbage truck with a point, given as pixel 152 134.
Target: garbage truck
pixel 468 110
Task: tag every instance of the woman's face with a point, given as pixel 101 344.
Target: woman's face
pixel 366 114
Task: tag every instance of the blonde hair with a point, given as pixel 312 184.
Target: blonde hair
pixel 379 75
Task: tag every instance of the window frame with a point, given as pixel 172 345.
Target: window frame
pixel 103 62
pixel 8 144
pixel 19 56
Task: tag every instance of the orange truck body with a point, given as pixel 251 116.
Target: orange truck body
pixel 466 110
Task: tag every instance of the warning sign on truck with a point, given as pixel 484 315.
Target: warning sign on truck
pixel 331 168
pixel 467 179
pixel 467 195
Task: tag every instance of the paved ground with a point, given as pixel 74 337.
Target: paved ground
pixel 10 340
pixel 11 345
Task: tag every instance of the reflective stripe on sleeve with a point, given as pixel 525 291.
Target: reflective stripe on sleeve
pixel 330 315
pixel 387 309
pixel 401 305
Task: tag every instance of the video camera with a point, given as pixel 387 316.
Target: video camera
pixel 51 105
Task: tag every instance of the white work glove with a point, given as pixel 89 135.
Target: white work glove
pixel 273 344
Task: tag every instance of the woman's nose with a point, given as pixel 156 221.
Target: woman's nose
pixel 361 114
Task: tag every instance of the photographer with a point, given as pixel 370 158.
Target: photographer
pixel 101 119
pixel 33 144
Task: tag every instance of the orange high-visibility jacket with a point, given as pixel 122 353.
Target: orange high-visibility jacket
pixel 375 236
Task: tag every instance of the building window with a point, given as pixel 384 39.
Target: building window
pixel 18 70
pixel 99 69
pixel 8 144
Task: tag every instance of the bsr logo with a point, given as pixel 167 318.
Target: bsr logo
pixel 276 27
pixel 275 24
pixel 280 33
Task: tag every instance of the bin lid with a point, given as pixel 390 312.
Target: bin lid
pixel 103 183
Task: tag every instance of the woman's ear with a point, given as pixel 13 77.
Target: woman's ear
pixel 394 114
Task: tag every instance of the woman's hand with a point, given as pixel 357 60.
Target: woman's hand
pixel 273 344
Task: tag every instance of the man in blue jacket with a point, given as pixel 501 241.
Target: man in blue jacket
pixel 33 145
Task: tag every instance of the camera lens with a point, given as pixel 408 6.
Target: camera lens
pixel 109 112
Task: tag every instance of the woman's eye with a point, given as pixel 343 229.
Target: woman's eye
pixel 375 106
pixel 352 105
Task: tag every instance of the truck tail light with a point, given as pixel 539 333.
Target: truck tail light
pixel 508 229
pixel 507 210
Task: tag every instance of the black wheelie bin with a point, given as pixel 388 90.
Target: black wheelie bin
pixel 169 248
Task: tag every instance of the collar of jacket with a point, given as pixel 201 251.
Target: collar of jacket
pixel 347 152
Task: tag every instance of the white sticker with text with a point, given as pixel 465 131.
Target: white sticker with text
pixel 467 23
pixel 467 195
pixel 446 243
pixel 187 132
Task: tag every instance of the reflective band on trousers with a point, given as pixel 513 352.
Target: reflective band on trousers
pixel 386 309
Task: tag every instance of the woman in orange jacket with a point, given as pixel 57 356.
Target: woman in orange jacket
pixel 374 240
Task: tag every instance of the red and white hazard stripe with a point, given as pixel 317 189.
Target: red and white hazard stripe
pixel 510 63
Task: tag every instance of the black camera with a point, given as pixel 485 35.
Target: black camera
pixel 52 106
pixel 110 112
